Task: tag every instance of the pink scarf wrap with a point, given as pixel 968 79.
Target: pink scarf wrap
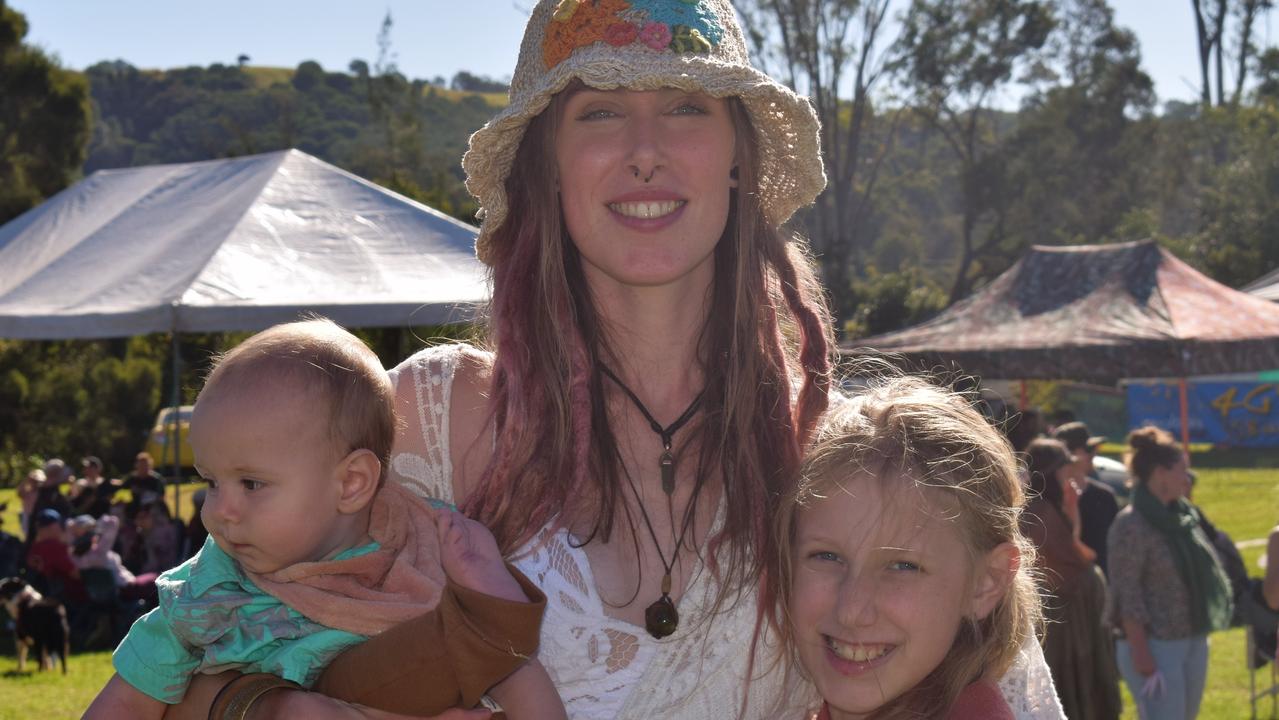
pixel 365 595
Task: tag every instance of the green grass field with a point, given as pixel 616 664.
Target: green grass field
pixel 1235 490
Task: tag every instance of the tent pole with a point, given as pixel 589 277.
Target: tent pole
pixel 1025 399
pixel 1185 416
pixel 176 438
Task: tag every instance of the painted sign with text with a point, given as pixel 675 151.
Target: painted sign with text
pixel 1236 414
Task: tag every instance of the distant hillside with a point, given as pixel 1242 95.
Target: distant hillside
pixel 408 135
pixel 1057 171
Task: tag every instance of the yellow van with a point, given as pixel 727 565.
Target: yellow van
pixel 160 436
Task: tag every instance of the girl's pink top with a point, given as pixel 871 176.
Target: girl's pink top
pixel 979 701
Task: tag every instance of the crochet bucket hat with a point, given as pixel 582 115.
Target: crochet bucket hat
pixel 693 45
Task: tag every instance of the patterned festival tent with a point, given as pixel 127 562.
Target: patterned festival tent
pixel 1096 313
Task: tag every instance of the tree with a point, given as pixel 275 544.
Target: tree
pixel 1240 219
pixel 1210 28
pixel 45 120
pixel 957 56
pixel 1212 19
pixel 75 398
pixel 824 49
pixel 1079 159
pixel 308 76
pixel 1247 12
pixel 466 81
pixel 1268 80
pixel 892 301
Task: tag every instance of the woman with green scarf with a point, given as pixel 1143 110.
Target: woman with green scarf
pixel 1169 590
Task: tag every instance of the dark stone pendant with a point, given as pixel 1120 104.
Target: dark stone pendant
pixel 661 618
pixel 667 465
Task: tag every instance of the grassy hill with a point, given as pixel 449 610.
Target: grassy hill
pixel 406 134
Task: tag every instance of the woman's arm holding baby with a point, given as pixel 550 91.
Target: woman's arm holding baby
pixel 119 699
pixel 286 703
pixel 529 694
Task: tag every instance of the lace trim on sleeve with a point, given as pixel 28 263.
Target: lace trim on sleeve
pixel 423 390
pixel 1028 687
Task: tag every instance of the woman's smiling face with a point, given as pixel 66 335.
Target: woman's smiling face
pixel 880 585
pixel 644 181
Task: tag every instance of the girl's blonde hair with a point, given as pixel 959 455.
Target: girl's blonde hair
pixel 904 427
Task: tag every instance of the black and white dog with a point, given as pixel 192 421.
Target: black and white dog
pixel 40 624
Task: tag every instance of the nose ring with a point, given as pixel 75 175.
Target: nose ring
pixel 650 174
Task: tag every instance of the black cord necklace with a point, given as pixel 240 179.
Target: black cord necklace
pixel 666 462
pixel 661 618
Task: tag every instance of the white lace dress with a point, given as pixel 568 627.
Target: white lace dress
pixel 607 668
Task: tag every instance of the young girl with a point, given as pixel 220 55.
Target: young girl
pixel 903 583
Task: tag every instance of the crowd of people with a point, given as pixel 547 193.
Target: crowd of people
pixel 1131 594
pixel 649 458
pixel 71 526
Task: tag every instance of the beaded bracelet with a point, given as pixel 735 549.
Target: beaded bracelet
pixel 236 697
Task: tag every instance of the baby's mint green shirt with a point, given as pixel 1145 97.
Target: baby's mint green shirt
pixel 211 618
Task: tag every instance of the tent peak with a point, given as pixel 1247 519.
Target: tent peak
pixel 1088 249
pixel 235 244
pixel 1096 313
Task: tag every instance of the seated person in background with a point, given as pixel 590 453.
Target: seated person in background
pixel 161 539
pixel 145 484
pixel 92 549
pixel 310 552
pixel 1097 503
pixel 80 528
pixel 49 494
pixel 95 497
pixel 50 556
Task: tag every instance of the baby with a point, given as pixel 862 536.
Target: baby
pixel 310 551
pixel 903 587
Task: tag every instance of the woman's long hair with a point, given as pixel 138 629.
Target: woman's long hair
pixel 556 455
pixel 904 430
pixel 1044 457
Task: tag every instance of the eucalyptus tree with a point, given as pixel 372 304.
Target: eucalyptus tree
pixel 958 56
pixel 836 52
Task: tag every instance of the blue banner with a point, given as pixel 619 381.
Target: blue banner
pixel 1235 414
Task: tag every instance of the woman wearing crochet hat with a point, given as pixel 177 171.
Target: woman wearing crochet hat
pixel 658 357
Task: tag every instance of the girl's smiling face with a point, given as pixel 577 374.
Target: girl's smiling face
pixel 881 580
pixel 644 181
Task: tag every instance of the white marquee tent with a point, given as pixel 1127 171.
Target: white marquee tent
pixel 1265 287
pixel 235 244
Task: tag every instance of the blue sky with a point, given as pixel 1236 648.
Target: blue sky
pixel 430 37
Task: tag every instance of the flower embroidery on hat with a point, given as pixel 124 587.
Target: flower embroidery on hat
pixel 656 35
pixel 680 26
